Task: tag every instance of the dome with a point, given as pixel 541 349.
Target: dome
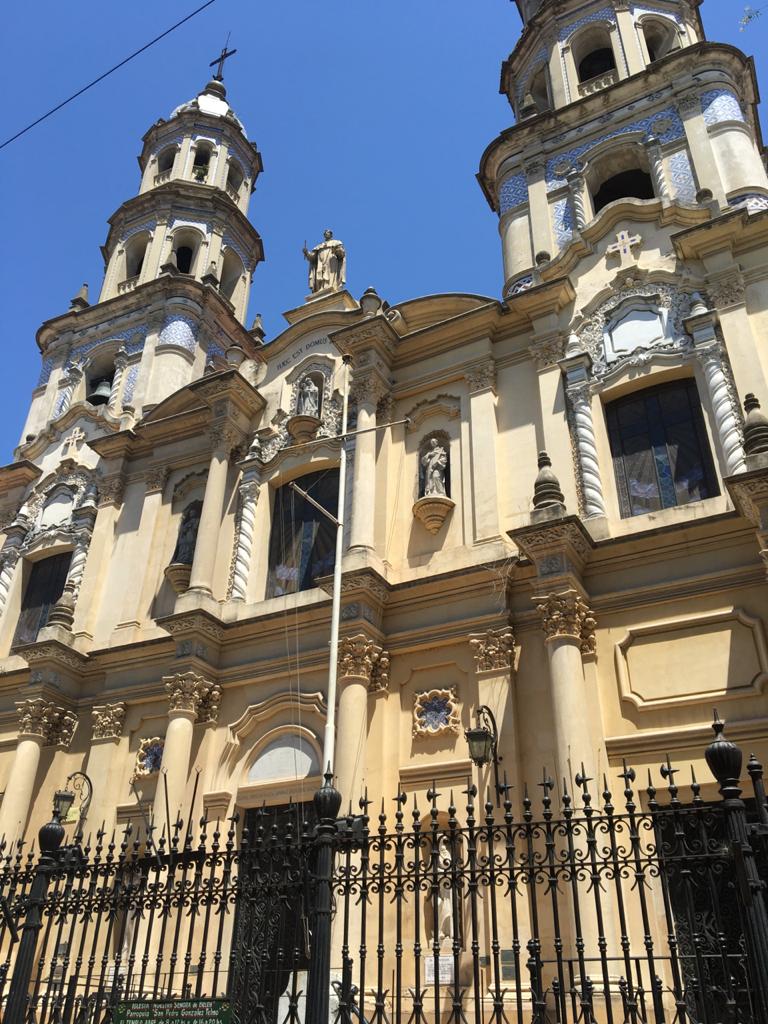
pixel 212 101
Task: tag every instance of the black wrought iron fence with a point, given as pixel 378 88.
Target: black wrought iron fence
pixel 585 906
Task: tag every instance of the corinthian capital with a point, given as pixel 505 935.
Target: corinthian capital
pixel 47 721
pixel 369 386
pixel 494 651
pixel 192 694
pixel 108 721
pixel 361 658
pixel 567 615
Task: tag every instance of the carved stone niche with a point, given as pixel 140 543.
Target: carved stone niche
pixel 308 407
pixel 434 503
pixel 303 428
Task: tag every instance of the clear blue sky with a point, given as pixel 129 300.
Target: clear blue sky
pixel 371 119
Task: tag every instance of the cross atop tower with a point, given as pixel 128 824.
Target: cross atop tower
pixel 225 53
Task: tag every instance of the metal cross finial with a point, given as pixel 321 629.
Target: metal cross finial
pixel 219 61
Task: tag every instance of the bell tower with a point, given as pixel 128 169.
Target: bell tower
pixel 179 258
pixel 615 102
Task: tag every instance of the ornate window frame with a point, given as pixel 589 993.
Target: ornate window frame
pixel 452 723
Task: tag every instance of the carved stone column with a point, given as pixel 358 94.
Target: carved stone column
pixel 712 357
pixel 704 164
pixel 10 554
pixel 72 379
pixel 223 440
pixel 246 519
pixel 541 224
pixel 575 179
pixel 656 163
pixel 135 597
pixel 107 727
pixel 191 699
pixel 576 370
pixel 368 389
pixel 42 723
pixel 115 404
pixel 363 668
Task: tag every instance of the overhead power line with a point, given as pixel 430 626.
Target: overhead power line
pixel 106 74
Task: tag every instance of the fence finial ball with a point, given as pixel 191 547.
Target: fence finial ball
pixel 724 759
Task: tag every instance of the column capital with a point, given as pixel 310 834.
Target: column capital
pixel 689 104
pixel 108 721
pixel 223 437
pixel 559 549
pixel 154 478
pixel 368 385
pixel 361 658
pixel 191 694
pixel 47 721
pixel 481 376
pixel 494 650
pixel 111 491
pixel 566 615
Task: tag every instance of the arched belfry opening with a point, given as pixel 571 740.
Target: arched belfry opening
pixel 621 173
pixel 593 53
pixel 660 38
pixel 634 184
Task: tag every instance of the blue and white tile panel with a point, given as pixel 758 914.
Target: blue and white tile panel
pixel 229 241
pixel 638 12
pixel 604 14
pixel 536 61
pixel 681 177
pixel 720 105
pixel 755 202
pixel 513 192
pixel 134 229
pixel 132 338
pixel 180 331
pixel 130 383
pixel 562 221
pixel 665 125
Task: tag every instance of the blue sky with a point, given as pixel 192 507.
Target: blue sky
pixel 371 119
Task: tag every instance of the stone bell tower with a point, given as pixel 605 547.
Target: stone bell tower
pixel 179 258
pixel 615 101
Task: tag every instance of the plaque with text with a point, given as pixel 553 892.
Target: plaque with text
pixel 173 1011
pixel 444 970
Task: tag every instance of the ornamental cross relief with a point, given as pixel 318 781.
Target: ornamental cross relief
pixel 623 247
pixel 72 441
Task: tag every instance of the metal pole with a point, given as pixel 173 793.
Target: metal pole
pixel 327 802
pixel 16 1007
pixel 329 739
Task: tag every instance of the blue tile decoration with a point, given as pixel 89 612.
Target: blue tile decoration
pixel 562 218
pixel 666 126
pixel 638 12
pixel 233 243
pixel 130 383
pixel 604 14
pixel 182 222
pixel 134 229
pixel 536 61
pixel 46 370
pixel 513 192
pixel 681 177
pixel 215 351
pixel 178 330
pixel 132 338
pixel 721 105
pixel 435 713
pixel 522 284
pixel 755 202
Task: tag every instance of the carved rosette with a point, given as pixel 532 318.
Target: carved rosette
pixel 45 720
pixel 494 650
pixel 189 693
pixel 436 712
pixel 361 658
pixel 108 721
pixel 567 616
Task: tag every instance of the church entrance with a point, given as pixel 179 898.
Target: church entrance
pixel 271 934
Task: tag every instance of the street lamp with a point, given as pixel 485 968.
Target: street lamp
pixel 483 743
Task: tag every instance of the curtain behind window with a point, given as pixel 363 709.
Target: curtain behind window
pixel 44 588
pixel 302 543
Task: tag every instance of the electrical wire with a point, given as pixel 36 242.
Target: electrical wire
pixel 106 74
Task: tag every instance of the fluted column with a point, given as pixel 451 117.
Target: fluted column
pixel 204 562
pixel 42 723
pixel 246 519
pixel 363 667
pixel 368 388
pixel 191 699
pixel 568 628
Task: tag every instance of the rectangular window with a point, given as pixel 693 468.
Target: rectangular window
pixel 44 588
pixel 302 546
pixel 660 450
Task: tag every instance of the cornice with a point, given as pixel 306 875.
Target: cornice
pixel 18 474
pixel 735 230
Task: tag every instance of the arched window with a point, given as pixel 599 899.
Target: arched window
pixel 660 449
pixel 235 178
pixel 620 174
pixel 539 89
pixel 165 160
pixel 202 160
pixel 135 251
pixel 98 380
pixel 44 588
pixel 231 272
pixel 660 38
pixel 593 53
pixel 185 246
pixel 302 544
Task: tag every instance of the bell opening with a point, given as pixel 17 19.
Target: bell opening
pixel 100 391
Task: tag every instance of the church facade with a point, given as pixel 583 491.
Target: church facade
pixel 557 497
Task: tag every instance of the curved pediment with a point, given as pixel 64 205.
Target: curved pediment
pixel 432 309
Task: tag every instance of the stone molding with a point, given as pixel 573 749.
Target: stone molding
pixel 108 720
pixel 567 616
pixel 189 693
pixel 560 547
pixel 728 290
pixel 46 720
pixel 494 650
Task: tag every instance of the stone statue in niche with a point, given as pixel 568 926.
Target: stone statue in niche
pixel 308 403
pixel 435 463
pixel 327 264
pixel 190 524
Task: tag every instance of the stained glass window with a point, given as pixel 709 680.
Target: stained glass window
pixel 302 544
pixel 660 449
